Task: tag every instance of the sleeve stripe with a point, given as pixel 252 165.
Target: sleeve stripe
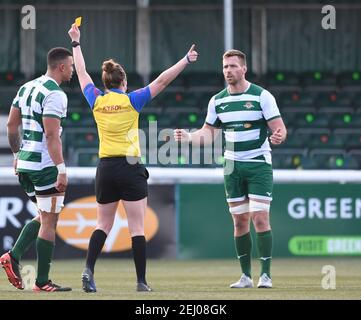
pixel 91 93
pixel 87 86
pixel 275 117
pixel 212 125
pixel 51 116
pixel 139 98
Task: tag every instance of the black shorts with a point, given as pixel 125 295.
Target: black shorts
pixel 117 179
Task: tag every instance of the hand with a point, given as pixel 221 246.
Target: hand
pixel 61 182
pixel 181 135
pixel 15 165
pixel 192 55
pixel 276 137
pixel 74 33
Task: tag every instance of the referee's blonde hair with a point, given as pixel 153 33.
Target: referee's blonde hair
pixel 113 75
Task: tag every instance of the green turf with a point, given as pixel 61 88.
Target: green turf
pixel 199 279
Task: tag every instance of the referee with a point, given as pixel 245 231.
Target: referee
pixel 120 175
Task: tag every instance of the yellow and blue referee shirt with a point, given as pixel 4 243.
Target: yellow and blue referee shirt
pixel 116 114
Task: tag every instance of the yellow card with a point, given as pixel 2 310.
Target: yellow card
pixel 78 21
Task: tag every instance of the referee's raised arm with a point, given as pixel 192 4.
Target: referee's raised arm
pixel 167 76
pixel 83 76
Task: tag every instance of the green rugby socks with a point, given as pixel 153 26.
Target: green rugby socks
pixel 44 250
pixel 264 245
pixel 243 246
pixel 26 238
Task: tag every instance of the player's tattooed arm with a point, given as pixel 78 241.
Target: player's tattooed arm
pixel 14 122
pixel 14 141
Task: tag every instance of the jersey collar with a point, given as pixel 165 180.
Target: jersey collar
pixel 238 93
pixel 116 90
pixel 50 78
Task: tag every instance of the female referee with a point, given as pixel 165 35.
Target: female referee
pixel 120 175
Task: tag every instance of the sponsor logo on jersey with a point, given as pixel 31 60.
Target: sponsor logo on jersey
pixel 247 125
pixel 224 107
pixel 115 109
pixel 236 125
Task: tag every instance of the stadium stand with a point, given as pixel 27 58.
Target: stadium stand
pixel 322 112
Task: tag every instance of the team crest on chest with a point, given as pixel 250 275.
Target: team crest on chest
pixel 248 105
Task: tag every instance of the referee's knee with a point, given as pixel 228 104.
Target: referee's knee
pixel 134 233
pixel 105 228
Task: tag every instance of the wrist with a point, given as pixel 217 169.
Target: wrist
pixel 187 59
pixel 61 168
pixel 16 155
pixel 189 137
pixel 75 43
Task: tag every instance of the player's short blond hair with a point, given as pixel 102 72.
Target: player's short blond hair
pixel 236 53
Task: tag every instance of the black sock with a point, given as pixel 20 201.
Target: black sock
pixel 96 244
pixel 139 255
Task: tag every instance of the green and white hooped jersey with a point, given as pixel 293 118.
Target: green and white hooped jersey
pixel 41 97
pixel 243 118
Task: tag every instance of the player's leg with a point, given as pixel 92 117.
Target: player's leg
pixel 260 195
pixel 238 206
pixel 260 218
pixel 49 205
pixel 243 244
pixel 105 220
pixel 242 237
pixel 26 239
pixel 10 260
pixel 30 231
pixel 135 214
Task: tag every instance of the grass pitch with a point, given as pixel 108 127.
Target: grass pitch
pixel 197 279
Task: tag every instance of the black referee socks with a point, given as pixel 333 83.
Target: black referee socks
pixel 139 255
pixel 96 244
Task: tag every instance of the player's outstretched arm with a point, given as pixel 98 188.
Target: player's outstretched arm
pixel 167 76
pixel 83 76
pixel 206 135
